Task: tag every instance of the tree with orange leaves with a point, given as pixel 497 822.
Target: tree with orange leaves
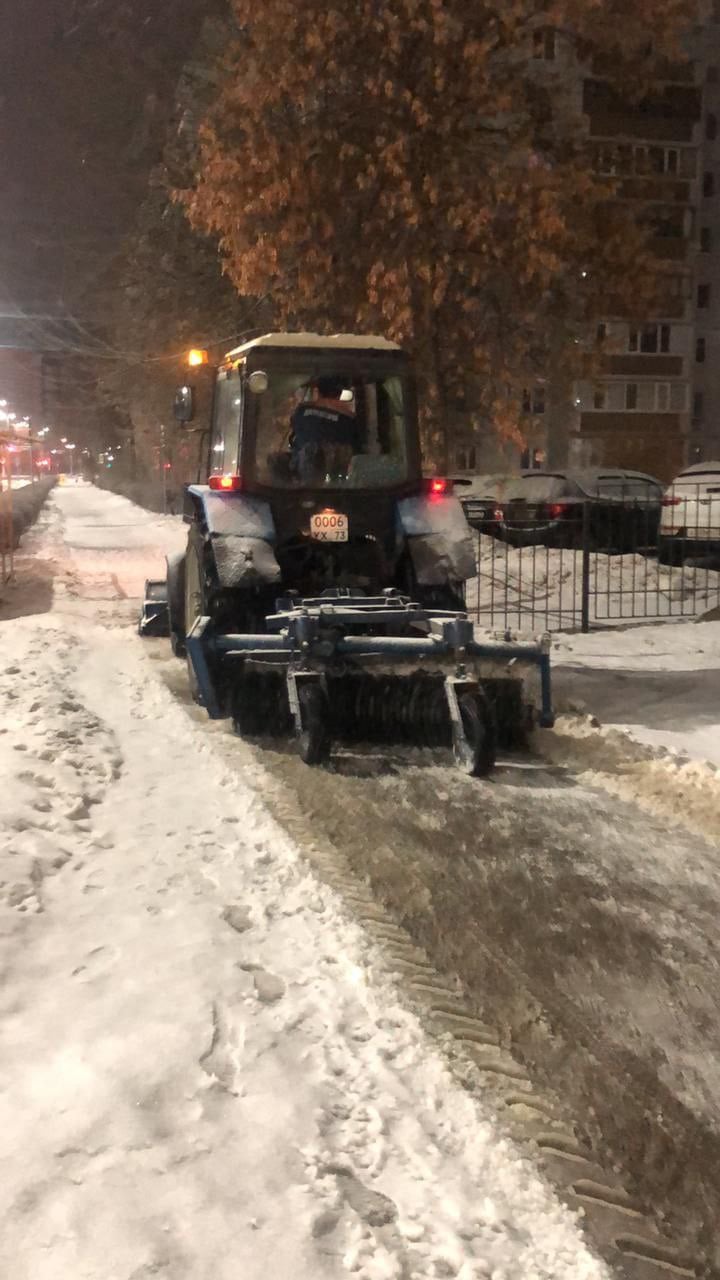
pixel 402 165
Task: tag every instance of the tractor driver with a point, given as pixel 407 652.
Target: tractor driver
pixel 324 432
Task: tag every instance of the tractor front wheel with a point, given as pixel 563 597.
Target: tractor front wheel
pixel 313 733
pixel 475 749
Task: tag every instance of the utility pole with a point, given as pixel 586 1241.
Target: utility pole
pixel 162 467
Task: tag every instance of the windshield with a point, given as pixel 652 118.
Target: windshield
pixel 331 432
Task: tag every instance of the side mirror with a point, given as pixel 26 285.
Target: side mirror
pixel 258 382
pixel 184 404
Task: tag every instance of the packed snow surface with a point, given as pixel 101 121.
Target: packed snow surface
pixel 202 1078
pixel 661 683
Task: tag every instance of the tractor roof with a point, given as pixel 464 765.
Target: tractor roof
pixel 342 341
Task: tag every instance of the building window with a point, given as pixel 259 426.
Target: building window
pixel 544 44
pixel 602 332
pixel 631 395
pixel 651 339
pixel 700 351
pixel 600 398
pixel 678 397
pixel 708 184
pixel 534 401
pixel 705 240
pixel 698 406
pixel 465 459
pixel 703 296
pixel 624 159
pixel 711 127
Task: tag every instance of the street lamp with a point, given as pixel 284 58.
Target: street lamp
pixel 69 448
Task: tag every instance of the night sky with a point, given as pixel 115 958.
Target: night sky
pixel 85 86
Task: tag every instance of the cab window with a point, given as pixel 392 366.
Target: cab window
pixel 354 438
pixel 225 446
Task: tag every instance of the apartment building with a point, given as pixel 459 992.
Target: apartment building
pixel 704 435
pixel 637 409
pixel 653 400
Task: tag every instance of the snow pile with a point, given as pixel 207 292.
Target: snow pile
pixel 536 587
pixel 661 780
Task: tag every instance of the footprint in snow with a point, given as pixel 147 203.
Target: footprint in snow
pixel 96 963
pixel 268 987
pixel 239 918
pixel 40 779
pixel 374 1208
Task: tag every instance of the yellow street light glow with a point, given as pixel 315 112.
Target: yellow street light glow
pixel 197 357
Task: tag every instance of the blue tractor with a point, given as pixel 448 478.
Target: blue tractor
pixel 321 592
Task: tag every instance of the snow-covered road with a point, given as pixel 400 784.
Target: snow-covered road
pixel 201 1077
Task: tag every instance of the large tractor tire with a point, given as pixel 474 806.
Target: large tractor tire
pixel 176 603
pixel 197 594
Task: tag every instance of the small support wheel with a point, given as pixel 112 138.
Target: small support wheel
pixel 177 644
pixel 314 736
pixel 475 750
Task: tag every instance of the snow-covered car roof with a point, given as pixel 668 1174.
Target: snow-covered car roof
pixel 343 341
pixel 698 468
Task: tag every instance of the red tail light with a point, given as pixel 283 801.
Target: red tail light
pixel 226 484
pixel 671 502
pixel 556 510
pixel 437 486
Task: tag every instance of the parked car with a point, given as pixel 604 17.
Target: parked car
pixel 545 508
pixel 478 496
pixel 690 521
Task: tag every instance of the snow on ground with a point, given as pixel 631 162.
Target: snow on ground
pixel 109 542
pixel 662 683
pixel 201 1077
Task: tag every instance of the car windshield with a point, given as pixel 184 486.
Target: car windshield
pixel 331 431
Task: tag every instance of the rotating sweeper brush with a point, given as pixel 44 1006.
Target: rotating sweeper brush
pixel 321 590
pixel 358 669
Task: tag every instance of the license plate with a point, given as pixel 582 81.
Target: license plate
pixel 329 526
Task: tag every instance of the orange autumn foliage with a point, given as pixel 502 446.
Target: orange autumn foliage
pixel 399 165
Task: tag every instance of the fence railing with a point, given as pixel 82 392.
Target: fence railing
pixel 562 566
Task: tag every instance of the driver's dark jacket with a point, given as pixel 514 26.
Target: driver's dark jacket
pixel 313 424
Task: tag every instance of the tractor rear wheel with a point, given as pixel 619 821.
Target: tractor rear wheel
pixel 475 749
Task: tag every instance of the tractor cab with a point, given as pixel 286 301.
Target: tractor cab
pixel 296 412
pixel 313 455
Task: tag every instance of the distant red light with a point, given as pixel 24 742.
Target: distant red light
pixel 437 487
pixel 167 466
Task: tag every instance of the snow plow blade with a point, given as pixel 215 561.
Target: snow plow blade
pixel 155 616
pixel 378 669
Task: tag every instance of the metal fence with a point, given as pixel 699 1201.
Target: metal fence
pixel 573 566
